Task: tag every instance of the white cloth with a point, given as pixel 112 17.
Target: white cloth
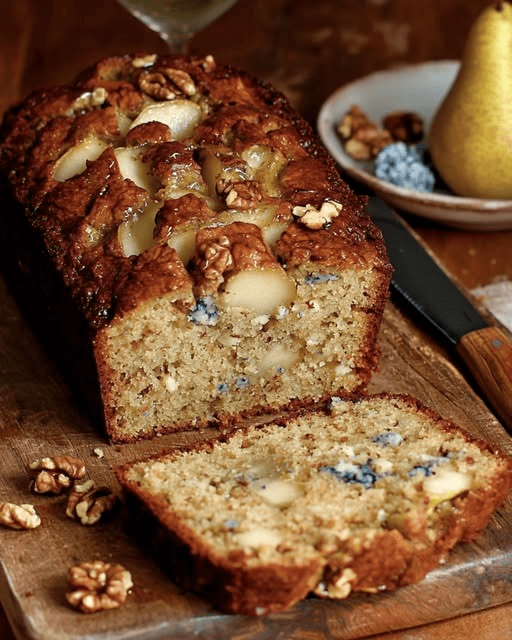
pixel 497 297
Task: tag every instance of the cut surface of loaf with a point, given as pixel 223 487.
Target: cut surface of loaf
pixel 367 497
pixel 223 267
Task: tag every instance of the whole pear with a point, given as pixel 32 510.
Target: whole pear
pixel 470 139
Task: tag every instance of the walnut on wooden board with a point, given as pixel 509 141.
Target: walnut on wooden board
pixel 18 516
pixel 98 585
pixel 89 503
pixel 55 474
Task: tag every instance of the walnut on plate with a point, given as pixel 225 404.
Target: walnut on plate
pixel 18 516
pixel 362 138
pixel 404 126
pixel 55 474
pixel 98 586
pixel 89 503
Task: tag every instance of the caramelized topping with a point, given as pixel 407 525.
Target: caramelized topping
pixel 152 173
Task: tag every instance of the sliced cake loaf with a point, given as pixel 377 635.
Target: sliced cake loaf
pixel 222 266
pixel 367 497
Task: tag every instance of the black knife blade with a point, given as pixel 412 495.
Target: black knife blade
pixel 485 349
pixel 421 281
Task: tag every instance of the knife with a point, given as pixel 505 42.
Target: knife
pixel 485 349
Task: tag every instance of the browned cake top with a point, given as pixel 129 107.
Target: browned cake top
pixel 115 169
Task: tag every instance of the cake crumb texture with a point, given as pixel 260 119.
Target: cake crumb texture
pixel 368 496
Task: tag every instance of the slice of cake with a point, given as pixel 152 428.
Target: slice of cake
pixel 368 497
pixel 221 266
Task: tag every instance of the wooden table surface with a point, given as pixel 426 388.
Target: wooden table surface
pixel 307 48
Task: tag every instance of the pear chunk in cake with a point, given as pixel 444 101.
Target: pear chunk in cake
pixel 133 168
pixel 279 358
pixel 262 291
pixel 135 234
pixel 236 261
pixel 74 161
pixel 181 116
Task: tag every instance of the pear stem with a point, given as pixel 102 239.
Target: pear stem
pixel 499 5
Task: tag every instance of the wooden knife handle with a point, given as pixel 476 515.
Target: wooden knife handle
pixel 488 355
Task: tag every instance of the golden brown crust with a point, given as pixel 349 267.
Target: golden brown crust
pixel 390 562
pixel 50 122
pixel 156 272
pixel 329 247
pixel 174 214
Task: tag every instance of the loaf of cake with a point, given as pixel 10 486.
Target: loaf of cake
pixel 221 266
pixel 368 496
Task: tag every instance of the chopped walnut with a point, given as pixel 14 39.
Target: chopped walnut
pixel 54 475
pixel 362 138
pixel 144 61
pixel 89 503
pixel 165 84
pixel 337 586
pixel 240 195
pixel 317 218
pixel 98 586
pixel 182 80
pixel 217 260
pixel 88 100
pixel 18 516
pixel 209 63
pixel 154 84
pixel 404 126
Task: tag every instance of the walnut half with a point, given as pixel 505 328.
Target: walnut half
pixel 404 126
pixel 18 516
pixel 98 585
pixel 89 503
pixel 362 138
pixel 54 475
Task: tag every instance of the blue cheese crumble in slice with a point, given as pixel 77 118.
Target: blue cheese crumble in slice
pixel 353 473
pixel 205 312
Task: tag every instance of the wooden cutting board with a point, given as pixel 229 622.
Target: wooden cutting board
pixel 39 417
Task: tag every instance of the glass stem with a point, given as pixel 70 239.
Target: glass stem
pixel 178 43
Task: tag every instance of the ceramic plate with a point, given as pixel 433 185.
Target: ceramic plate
pixel 420 88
